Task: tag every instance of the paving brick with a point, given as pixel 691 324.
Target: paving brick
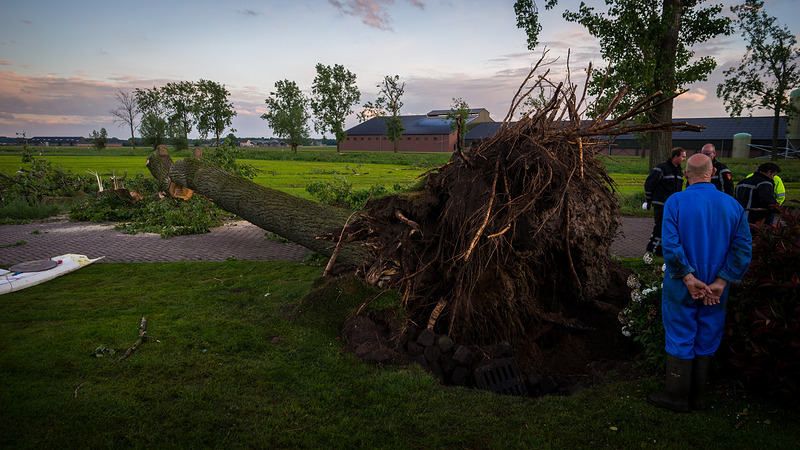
pixel 241 240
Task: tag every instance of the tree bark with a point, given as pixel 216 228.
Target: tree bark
pixel 296 219
pixel 661 142
pixel 159 164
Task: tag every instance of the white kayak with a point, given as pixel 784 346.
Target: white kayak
pixel 19 277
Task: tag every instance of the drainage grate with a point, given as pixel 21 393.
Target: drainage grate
pixel 501 377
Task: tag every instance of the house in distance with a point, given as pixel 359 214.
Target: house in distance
pixel 423 133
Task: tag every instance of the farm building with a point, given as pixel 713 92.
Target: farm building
pixel 59 141
pixel 423 133
pixel 431 133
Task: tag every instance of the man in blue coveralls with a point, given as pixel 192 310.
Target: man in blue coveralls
pixel 707 244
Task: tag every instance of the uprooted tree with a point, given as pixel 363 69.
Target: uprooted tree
pixel 507 240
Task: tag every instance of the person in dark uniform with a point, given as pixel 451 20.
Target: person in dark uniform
pixel 756 194
pixel 664 180
pixel 722 178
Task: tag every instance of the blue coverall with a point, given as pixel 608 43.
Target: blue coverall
pixel 704 232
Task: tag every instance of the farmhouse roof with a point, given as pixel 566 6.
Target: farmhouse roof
pixel 435 122
pixel 716 128
pixel 418 124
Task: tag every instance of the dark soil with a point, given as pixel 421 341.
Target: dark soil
pixel 556 358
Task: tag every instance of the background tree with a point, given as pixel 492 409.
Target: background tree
pixel 153 129
pixel 178 99
pixel 388 101
pixel 648 46
pixel 213 111
pixel 149 101
pixel 99 140
pixel 459 112
pixel 288 114
pixel 333 94
pixel 768 69
pixel 126 112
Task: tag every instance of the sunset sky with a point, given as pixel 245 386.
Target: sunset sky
pixel 62 61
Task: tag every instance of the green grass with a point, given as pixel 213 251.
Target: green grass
pixel 282 170
pixel 236 358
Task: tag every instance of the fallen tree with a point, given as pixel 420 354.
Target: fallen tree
pixel 508 241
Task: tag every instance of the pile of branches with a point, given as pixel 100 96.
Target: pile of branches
pixel 513 234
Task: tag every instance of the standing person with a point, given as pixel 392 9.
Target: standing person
pixel 756 194
pixel 707 245
pixel 664 180
pixel 723 178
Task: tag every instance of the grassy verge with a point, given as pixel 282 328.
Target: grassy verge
pixel 235 359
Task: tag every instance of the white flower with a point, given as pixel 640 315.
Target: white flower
pixel 647 258
pixel 633 283
pixel 636 296
pixel 664 268
pixel 647 291
pixel 626 333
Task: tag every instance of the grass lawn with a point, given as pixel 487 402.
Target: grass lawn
pixel 235 358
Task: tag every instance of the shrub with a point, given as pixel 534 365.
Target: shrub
pixel 340 192
pixel 762 331
pixel 38 179
pixel 641 319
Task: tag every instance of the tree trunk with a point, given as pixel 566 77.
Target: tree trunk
pixel 775 128
pixel 661 142
pixel 159 164
pixel 293 218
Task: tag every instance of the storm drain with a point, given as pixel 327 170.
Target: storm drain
pixel 501 377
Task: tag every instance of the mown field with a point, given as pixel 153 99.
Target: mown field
pixel 282 170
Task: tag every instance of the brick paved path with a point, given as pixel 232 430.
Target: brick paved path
pixel 241 240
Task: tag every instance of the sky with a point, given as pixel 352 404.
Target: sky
pixel 61 62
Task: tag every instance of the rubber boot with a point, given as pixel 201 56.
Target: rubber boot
pixel 678 383
pixel 697 395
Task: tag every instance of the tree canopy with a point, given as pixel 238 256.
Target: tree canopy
pixel 647 44
pixel 333 94
pixel 459 112
pixel 288 115
pixel 768 70
pixel 388 105
pixel 212 108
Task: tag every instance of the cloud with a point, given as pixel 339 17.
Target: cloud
pixel 52 105
pixel 250 12
pixel 27 21
pixel 5 62
pixel 373 13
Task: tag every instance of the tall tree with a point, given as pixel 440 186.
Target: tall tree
pixel 388 101
pixel 149 101
pixel 768 69
pixel 213 111
pixel 153 129
pixel 126 112
pixel 648 46
pixel 178 98
pixel 459 112
pixel 288 114
pixel 333 94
